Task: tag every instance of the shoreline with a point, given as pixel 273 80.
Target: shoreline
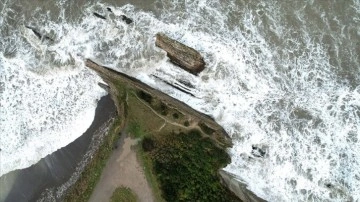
pixel 46 180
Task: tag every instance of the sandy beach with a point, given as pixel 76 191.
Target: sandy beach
pixel 123 169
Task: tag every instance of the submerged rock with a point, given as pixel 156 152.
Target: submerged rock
pixel 301 114
pixel 259 150
pixel 126 19
pixel 99 16
pixel 186 57
pixel 38 34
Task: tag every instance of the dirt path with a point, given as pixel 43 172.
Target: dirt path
pixel 122 169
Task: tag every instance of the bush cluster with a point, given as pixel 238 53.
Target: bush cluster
pixel 186 165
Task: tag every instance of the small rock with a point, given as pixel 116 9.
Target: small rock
pixel 328 185
pixel 258 151
pixel 38 34
pixel 99 16
pixel 35 31
pixel 126 19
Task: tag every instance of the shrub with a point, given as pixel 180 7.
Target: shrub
pixel 175 115
pixel 147 144
pixel 145 96
pixel 187 123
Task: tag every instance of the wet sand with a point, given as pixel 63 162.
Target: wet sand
pixel 123 169
pixel 45 178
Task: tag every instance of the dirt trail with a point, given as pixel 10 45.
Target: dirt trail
pixel 122 169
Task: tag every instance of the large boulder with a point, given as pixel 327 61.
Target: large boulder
pixel 187 58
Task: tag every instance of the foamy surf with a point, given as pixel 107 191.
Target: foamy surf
pixel 42 113
pixel 281 78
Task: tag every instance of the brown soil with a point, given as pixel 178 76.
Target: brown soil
pixel 123 169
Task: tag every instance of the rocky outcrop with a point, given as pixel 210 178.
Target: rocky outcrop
pixel 238 188
pixel 187 58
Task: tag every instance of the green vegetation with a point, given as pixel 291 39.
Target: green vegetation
pixel 175 115
pixel 135 130
pixel 186 166
pixel 180 163
pixel 147 164
pixel 123 194
pixel 142 121
pixel 145 96
pixel 83 188
pixel 164 109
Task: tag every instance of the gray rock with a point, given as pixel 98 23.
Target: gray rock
pixel 127 20
pixel 99 16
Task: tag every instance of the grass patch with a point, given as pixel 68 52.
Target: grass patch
pixel 83 188
pixel 147 164
pixel 135 130
pixel 123 194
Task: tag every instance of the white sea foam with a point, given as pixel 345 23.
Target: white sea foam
pixel 47 99
pixel 266 83
pixel 40 114
pixel 287 111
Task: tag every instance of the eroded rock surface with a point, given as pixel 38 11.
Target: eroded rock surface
pixel 186 57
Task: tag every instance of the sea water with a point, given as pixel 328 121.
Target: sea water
pixel 282 78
